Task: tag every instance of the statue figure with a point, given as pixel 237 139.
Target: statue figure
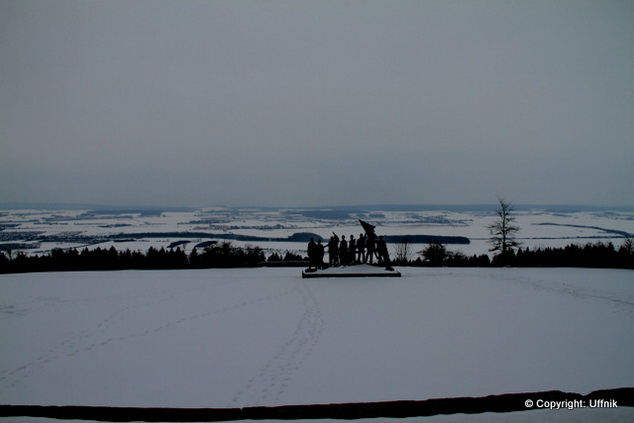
pixel 343 251
pixel 312 255
pixel 333 250
pixel 374 246
pixel 361 249
pixel 320 254
pixel 384 255
pixel 352 249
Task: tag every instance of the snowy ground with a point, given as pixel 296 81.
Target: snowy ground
pixel 235 338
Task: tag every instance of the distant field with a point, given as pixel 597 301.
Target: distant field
pixel 37 231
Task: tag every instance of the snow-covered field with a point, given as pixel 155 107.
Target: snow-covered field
pixel 235 338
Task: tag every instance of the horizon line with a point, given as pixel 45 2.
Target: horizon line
pixel 16 205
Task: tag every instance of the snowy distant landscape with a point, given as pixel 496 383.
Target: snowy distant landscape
pixel 231 338
pixel 38 231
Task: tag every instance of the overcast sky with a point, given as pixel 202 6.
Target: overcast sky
pixel 316 103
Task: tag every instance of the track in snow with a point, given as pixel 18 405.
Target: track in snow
pixel 271 382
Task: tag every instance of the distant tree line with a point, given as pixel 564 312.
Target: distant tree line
pixel 594 255
pixel 599 255
pixel 222 254
pixel 226 255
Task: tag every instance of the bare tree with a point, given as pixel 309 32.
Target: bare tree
pixel 402 251
pixel 504 230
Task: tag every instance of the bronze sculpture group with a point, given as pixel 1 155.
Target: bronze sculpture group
pixel 341 252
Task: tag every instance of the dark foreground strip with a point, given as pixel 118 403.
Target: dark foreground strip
pixel 349 411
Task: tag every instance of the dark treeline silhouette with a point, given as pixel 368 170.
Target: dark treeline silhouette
pixel 216 255
pixel 597 255
pixel 226 255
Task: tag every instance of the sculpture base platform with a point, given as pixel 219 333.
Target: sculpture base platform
pixel 355 271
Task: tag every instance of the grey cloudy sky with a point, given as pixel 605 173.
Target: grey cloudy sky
pixel 295 103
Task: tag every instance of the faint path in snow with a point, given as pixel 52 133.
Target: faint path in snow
pixel 270 384
pixel 569 288
pixel 83 341
pixel 531 278
pixel 100 334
